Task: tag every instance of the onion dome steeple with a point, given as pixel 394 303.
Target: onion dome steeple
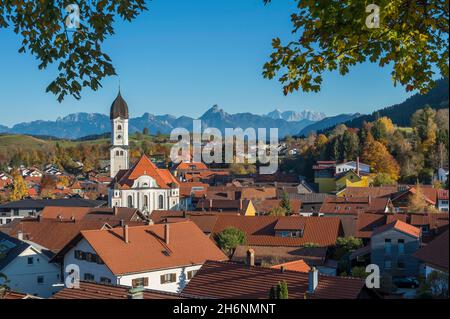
pixel 119 108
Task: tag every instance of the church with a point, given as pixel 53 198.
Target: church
pixel 143 186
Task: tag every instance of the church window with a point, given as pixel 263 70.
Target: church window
pixel 117 153
pixel 146 201
pixel 130 201
pixel 161 202
pixel 119 127
pixel 121 153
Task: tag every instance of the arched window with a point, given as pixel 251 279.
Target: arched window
pixel 119 127
pixel 117 153
pixel 146 201
pixel 130 201
pixel 121 153
pixel 161 202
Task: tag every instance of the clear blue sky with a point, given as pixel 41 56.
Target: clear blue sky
pixel 181 57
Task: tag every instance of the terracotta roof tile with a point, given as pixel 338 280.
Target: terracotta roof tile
pixel 296 265
pixel 436 252
pixel 147 250
pixel 400 226
pixel 236 281
pixel 353 205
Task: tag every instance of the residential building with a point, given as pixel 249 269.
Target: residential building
pixel 353 205
pixel 225 280
pixel 243 206
pixel 27 268
pixel 32 207
pixel 434 256
pixel 392 247
pixel 92 290
pixel 161 257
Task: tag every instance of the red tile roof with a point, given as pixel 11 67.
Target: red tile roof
pixel 260 230
pixel 353 205
pixel 90 290
pixel 236 281
pixel 382 191
pixel 191 166
pixel 267 205
pixel 400 226
pixel 296 265
pixel 442 194
pixel 144 166
pixel 147 249
pixel 435 254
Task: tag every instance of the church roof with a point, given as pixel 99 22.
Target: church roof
pixel 144 166
pixel 119 108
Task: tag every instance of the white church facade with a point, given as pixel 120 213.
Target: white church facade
pixel 143 186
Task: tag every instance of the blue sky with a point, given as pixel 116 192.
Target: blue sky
pixel 181 57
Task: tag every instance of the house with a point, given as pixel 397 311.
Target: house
pixel 112 216
pixel 392 247
pixel 226 280
pixel 243 206
pixel 434 256
pixel 402 199
pixel 442 200
pixel 264 207
pixel 184 168
pixel 311 202
pixel 331 176
pixel 352 205
pixel 190 193
pixel 375 192
pixel 27 268
pixel 275 231
pixel 32 207
pixel 92 290
pixel 442 175
pixel 161 257
pixel 51 234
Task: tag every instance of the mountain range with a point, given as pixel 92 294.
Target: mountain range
pixel 79 125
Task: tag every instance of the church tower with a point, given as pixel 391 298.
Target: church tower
pixel 119 136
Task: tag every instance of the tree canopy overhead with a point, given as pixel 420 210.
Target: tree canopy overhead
pixel 47 34
pixel 412 39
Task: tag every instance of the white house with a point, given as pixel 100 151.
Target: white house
pixel 356 166
pixel 161 257
pixel 27 267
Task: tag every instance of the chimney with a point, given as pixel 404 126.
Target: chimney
pixel 313 279
pixel 20 235
pixel 136 293
pixel 369 199
pixel 250 257
pixel 282 269
pixel 125 234
pixel 184 214
pixel 166 234
pixel 357 165
pixel 72 218
pixel 115 210
pixel 240 205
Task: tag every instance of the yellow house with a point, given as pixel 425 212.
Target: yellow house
pixel 351 179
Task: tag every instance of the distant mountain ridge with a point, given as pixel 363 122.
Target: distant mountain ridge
pixel 328 122
pixel 79 125
pixel 293 116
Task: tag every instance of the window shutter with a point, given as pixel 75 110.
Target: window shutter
pixel 134 283
pixel 173 277
pixel 145 281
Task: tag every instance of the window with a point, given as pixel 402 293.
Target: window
pixel 139 282
pixel 146 201
pixel 401 246
pixel 121 153
pixel 161 202
pixel 117 153
pixel 30 260
pixel 105 280
pixel 387 264
pixel 89 277
pixel 387 246
pixel 40 280
pixel 119 127
pixel 191 274
pixel 168 278
pixel 130 201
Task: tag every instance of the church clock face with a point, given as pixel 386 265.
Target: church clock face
pixel 119 137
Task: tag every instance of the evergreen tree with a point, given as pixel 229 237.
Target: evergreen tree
pixel 285 204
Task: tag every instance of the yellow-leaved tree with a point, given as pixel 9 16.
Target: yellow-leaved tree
pixel 20 189
pixel 380 160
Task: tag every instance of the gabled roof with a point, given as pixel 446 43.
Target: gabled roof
pixel 400 226
pixel 191 166
pixel 51 234
pixel 91 290
pixel 144 166
pixel 436 252
pixel 353 205
pixel 260 230
pixel 226 280
pixel 41 203
pixel 265 206
pixel 381 191
pixel 147 249
pixel 86 213
pixel 429 194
